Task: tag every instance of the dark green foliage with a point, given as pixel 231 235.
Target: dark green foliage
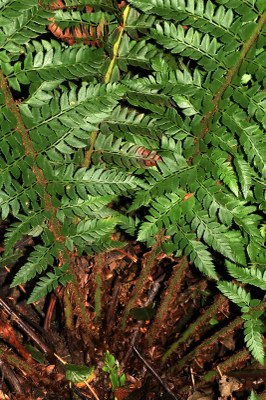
pixel 169 113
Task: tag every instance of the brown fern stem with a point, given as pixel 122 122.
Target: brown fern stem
pixel 171 292
pixel 148 265
pixel 194 329
pixel 30 152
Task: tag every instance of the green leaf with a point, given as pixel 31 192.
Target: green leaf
pixel 78 373
pixel 253 338
pixel 236 294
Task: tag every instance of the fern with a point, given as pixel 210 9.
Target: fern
pixel 235 293
pixel 252 331
pixel 252 325
pixel 158 132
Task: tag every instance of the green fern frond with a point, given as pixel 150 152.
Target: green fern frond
pixel 236 294
pixel 93 181
pixel 138 54
pixel 253 338
pixel 39 260
pixel 165 178
pixel 119 153
pixel 250 136
pixel 210 17
pixel 48 283
pixel 183 242
pixel 256 107
pixel 164 211
pixel 18 230
pixel 133 126
pixel 253 275
pixel 92 206
pixel 215 235
pixel 128 224
pixel 143 93
pixel 20 22
pixel 88 233
pixel 245 174
pixel 199 47
pixel 51 61
pixel 199 255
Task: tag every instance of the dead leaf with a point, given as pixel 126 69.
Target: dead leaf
pixel 228 385
pixel 197 395
pixel 3 396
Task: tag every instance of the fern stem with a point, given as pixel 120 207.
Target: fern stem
pixel 230 364
pixel 171 292
pixel 227 82
pixel 68 311
pixel 20 127
pixel 88 153
pixel 109 72
pixel 98 280
pixel 207 344
pixel 140 284
pixel 194 328
pixel 53 224
pixel 233 362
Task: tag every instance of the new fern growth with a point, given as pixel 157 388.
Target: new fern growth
pixel 168 112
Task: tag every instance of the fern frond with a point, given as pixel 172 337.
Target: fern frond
pixel 250 136
pixel 92 206
pixel 128 224
pixel 199 255
pixel 164 179
pixel 225 171
pixel 39 260
pixel 253 275
pixel 144 93
pixel 215 235
pixel 48 283
pixel 199 47
pixel 185 243
pixel 20 22
pixel 256 107
pixel 133 126
pixel 236 294
pixel 253 338
pixel 208 16
pixel 164 211
pixel 245 174
pixel 93 181
pixel 120 153
pixel 18 230
pixel 88 233
pixel 138 54
pixel 51 61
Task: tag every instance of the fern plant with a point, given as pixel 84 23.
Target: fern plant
pixel 167 113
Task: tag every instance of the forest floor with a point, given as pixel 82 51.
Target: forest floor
pixel 168 333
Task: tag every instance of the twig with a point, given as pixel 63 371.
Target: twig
pixel 26 328
pixel 91 390
pixel 164 385
pixel 85 382
pixel 12 379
